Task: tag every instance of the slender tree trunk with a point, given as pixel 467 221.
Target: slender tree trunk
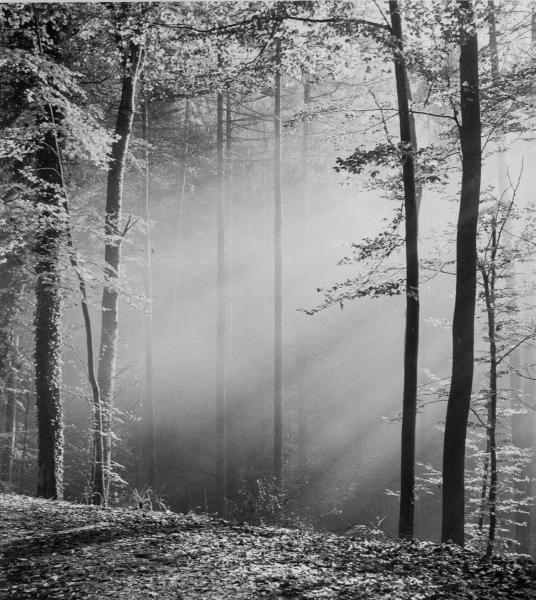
pixel 278 329
pixel 24 443
pixel 484 486
pixel 464 308
pixel 489 279
pixel 221 409
pixel 411 347
pixel 112 248
pixel 183 181
pixel 522 423
pixel 148 419
pixel 303 466
pixel 229 210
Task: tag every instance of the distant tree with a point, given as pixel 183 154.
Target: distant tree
pixel 148 458
pixel 221 405
pixel 278 331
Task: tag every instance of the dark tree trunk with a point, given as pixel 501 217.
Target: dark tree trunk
pixel 411 347
pixel 221 409
pixel 278 329
pixel 148 418
pixel 48 325
pixel 50 238
pixel 112 250
pixel 464 308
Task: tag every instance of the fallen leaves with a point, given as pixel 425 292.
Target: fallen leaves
pixel 58 550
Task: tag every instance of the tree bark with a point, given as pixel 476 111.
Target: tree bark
pixel 221 409
pixel 48 326
pixel 278 329
pixel 464 308
pixel 411 346
pixel 133 62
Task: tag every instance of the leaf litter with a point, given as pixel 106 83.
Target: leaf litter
pixel 59 550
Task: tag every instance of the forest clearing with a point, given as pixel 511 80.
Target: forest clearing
pixel 267 275
pixel 64 551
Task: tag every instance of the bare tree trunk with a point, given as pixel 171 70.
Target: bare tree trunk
pixel 112 250
pixel 229 210
pixel 148 419
pixel 221 409
pixel 464 310
pixel 489 279
pixel 411 347
pixel 278 329
pixel 183 181
pixel 302 415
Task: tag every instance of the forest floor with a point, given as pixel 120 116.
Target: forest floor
pixel 62 550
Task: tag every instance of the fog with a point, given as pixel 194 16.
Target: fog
pixel 342 367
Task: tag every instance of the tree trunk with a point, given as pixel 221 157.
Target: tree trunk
pixel 232 434
pixel 148 418
pixel 183 183
pixel 278 329
pixel 489 278
pixel 411 347
pixel 48 326
pixel 464 308
pixel 302 415
pixel 522 421
pixel 221 409
pixel 112 249
pixel 24 443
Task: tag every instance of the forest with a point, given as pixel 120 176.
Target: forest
pixel 270 263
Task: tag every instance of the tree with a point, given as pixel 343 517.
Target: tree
pixel 48 311
pixel 278 330
pixel 411 348
pixel 452 528
pixel 132 46
pixel 148 421
pixel 221 408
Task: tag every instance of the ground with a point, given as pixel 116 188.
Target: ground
pixel 62 550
